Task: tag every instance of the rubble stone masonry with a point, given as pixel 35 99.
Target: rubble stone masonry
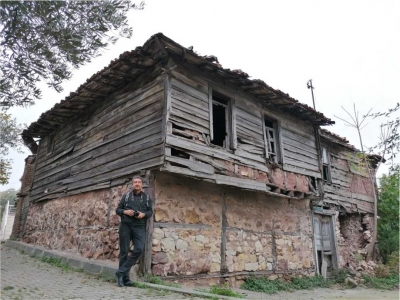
pixel 264 234
pixel 201 229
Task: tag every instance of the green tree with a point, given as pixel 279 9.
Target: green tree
pixel 45 40
pixel 9 138
pixel 8 195
pixel 388 211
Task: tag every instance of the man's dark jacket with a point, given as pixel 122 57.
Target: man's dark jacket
pixel 137 202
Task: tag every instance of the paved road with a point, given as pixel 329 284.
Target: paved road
pixel 33 279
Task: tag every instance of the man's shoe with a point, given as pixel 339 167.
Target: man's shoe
pixel 128 282
pixel 120 279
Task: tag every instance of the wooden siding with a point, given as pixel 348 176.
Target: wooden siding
pixel 189 149
pixel 348 189
pixel 121 137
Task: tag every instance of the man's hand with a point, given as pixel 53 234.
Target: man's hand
pixel 141 215
pixel 128 212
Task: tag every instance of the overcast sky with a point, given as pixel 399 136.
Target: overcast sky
pixel 350 49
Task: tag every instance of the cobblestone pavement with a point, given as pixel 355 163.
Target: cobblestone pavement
pixel 23 277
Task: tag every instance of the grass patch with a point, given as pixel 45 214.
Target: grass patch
pixel 224 290
pixel 56 262
pixel 265 285
pixel 8 287
pixel 104 277
pixel 386 283
pixel 157 280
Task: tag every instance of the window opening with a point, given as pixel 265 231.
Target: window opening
pixel 179 153
pixel 326 174
pixel 220 120
pixel 270 134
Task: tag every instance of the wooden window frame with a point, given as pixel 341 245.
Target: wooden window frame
pixel 326 164
pixel 277 139
pixel 230 118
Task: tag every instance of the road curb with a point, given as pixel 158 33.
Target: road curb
pixel 98 268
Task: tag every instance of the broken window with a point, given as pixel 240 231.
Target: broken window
pixel 326 170
pixel 271 140
pixel 220 120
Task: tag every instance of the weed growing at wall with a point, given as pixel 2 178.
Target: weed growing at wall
pixel 265 285
pixel 386 283
pixel 157 280
pixel 224 290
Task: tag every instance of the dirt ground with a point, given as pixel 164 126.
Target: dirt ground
pixel 357 293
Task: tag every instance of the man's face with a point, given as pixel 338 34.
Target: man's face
pixel 137 184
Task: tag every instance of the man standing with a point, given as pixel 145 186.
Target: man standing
pixel 134 209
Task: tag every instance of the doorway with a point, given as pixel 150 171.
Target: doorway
pixel 325 244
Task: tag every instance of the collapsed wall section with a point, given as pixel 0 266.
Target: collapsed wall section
pixel 354 234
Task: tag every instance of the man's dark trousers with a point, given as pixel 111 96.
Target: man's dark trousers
pixel 127 233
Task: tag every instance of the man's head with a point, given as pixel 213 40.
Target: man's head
pixel 137 184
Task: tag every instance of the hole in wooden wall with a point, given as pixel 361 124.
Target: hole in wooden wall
pixel 179 153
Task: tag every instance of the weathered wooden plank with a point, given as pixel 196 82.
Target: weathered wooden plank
pixel 244 134
pixel 182 122
pixel 81 156
pixel 197 113
pixel 301 170
pixel 130 167
pixel 189 100
pixel 126 150
pixel 300 157
pixel 189 90
pixel 124 95
pixel 58 176
pixel 135 103
pixel 59 166
pixel 219 165
pixel 134 109
pixel 348 194
pixel 295 162
pixel 307 140
pixel 210 109
pixel 242 182
pixel 249 125
pixel 192 165
pixel 233 123
pixel 214 152
pixel 138 121
pixel 201 86
pixel 294 143
pixel 192 118
pixel 118 163
pixel 249 117
pixel 124 171
pixel 243 153
pixel 302 151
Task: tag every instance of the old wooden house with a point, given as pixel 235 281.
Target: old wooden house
pixel 243 178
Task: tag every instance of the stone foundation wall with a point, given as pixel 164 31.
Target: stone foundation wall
pixel 79 224
pixel 264 234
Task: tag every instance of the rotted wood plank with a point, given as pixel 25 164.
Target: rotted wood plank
pixel 192 165
pixel 189 90
pixel 185 123
pixel 213 152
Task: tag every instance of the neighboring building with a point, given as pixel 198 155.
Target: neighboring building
pixel 239 172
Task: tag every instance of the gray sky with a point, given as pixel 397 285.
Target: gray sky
pixel 350 49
